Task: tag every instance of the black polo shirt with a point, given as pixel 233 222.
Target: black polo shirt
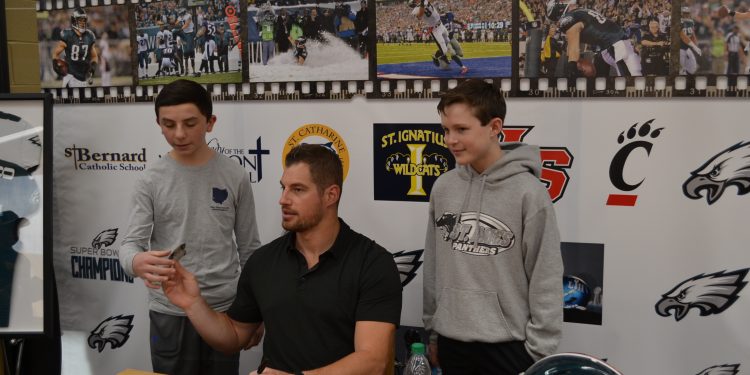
pixel 309 314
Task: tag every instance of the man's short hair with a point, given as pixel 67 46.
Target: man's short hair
pixel 483 98
pixel 325 165
pixel 184 91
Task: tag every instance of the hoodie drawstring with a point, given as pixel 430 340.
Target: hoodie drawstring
pixel 479 210
pixel 466 198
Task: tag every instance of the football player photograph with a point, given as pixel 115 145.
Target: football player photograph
pixel 616 55
pixel 654 49
pixel 191 37
pixel 492 251
pixel 425 11
pixel 689 50
pixel 196 204
pixel 329 297
pixel 78 49
pixel 81 54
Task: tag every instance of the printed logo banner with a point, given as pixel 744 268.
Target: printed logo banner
pixel 408 158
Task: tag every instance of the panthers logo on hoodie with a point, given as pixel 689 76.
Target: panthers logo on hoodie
pixel 475 234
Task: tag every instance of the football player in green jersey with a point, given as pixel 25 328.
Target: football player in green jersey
pixel 81 55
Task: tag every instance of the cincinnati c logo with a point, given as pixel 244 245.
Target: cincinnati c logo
pixel 635 138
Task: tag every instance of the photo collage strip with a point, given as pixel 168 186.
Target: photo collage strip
pixel 331 49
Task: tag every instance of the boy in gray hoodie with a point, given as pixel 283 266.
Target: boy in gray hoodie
pixel 493 268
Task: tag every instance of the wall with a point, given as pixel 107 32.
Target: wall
pixel 637 232
pixel 23 50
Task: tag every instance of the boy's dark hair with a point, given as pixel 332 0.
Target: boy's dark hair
pixel 325 165
pixel 483 98
pixel 184 91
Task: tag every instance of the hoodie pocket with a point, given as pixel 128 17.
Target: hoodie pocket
pixel 471 315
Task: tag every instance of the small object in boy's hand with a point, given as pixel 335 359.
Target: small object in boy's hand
pixel 178 252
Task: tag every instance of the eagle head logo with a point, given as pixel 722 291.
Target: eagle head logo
pixel 728 167
pixel 114 330
pixel 104 239
pixel 721 370
pixel 407 263
pixel 710 294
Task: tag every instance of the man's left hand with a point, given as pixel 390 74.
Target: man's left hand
pixel 257 336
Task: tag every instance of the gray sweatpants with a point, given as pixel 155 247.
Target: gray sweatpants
pixel 176 348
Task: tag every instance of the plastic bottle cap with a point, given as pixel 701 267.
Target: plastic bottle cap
pixel 417 348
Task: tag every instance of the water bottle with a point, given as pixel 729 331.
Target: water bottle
pixel 417 363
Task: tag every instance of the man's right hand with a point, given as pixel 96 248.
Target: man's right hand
pixel 153 267
pixel 182 288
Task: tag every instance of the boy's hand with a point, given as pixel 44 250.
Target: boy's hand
pixel 182 288
pixel 153 267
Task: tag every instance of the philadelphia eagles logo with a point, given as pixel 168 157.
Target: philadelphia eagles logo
pixel 727 168
pixel 104 239
pixel 721 370
pixel 710 294
pixel 407 263
pixel 114 330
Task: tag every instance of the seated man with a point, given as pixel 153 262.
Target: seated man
pixel 329 297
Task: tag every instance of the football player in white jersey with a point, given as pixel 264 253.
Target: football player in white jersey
pixel 142 55
pixel 188 29
pixel 160 45
pixel 424 10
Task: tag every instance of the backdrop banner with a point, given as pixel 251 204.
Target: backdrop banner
pixel 648 199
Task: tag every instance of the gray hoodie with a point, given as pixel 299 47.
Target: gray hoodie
pixel 493 269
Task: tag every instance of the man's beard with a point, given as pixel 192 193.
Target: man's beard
pixel 303 224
